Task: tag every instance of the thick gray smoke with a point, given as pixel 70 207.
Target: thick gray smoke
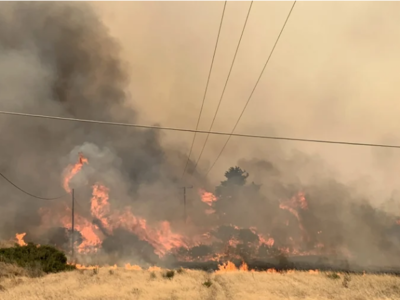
pixel 59 59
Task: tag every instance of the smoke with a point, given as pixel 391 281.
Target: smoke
pixel 78 60
pixel 59 59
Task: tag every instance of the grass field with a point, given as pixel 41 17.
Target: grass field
pixel 141 284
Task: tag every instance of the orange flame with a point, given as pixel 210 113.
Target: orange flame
pixel 72 170
pixel 271 271
pixel 230 267
pixel 20 239
pixel 298 201
pixel 132 267
pixel 154 268
pixel 207 197
pixel 161 238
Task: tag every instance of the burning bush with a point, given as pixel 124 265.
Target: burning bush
pixel 45 259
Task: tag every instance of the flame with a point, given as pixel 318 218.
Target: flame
pixel 100 206
pixel 292 205
pixel 154 269
pixel 230 267
pixel 72 170
pixel 272 271
pixel 132 267
pixel 162 236
pixel 20 239
pixel 209 199
pixel 244 267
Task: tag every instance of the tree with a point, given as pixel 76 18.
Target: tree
pixel 237 200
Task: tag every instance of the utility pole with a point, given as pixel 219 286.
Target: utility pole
pixel 73 225
pixel 184 201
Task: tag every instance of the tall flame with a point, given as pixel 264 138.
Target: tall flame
pixel 20 239
pixel 72 170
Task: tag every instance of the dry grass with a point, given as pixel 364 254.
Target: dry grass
pixel 129 284
pixel 11 271
pixel 6 244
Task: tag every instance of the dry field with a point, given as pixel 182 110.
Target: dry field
pixel 140 284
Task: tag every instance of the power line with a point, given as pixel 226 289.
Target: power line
pixel 254 88
pixel 244 135
pixel 206 89
pixel 226 83
pixel 27 193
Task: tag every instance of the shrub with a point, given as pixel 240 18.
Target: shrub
pixel 180 270
pixel 169 274
pixel 153 275
pixel 207 283
pixel 45 259
pixel 333 276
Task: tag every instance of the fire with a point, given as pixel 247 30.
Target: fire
pixel 207 197
pixel 154 269
pixel 292 205
pixel 298 201
pixel 72 170
pixel 20 239
pixel 230 267
pixel 132 267
pixel 162 236
pixel 100 206
pixel 159 236
pixel 272 271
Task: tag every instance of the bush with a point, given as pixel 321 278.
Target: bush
pixel 36 259
pixel 169 274
pixel 207 283
pixel 333 276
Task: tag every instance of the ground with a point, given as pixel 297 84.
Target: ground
pixel 141 284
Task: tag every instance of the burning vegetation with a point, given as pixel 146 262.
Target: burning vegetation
pixel 119 234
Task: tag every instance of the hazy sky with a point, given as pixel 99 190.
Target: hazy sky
pixel 333 76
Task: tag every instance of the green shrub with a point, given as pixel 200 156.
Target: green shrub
pixel 169 274
pixel 207 283
pixel 36 259
pixel 333 276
